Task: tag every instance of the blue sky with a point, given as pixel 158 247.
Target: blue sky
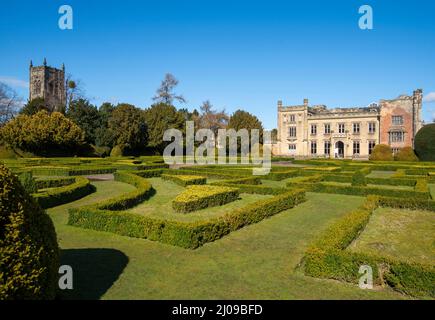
pixel 237 54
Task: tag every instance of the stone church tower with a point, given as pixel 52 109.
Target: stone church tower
pixel 48 83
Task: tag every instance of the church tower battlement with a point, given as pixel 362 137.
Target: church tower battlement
pixel 48 83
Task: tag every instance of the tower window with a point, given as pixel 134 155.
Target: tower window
pixel 292 132
pixel 397 136
pixel 397 120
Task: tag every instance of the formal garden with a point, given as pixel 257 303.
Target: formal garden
pixel 134 228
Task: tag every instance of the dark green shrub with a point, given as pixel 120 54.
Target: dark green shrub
pixel 424 143
pixel 29 254
pixel 382 152
pixel 406 154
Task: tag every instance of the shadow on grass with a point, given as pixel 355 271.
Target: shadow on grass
pixel 94 271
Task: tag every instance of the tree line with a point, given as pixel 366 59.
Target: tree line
pixel 122 129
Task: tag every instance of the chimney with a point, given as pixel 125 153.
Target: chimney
pixel 306 102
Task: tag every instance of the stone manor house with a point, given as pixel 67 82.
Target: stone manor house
pixel 306 131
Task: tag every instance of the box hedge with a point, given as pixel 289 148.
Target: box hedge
pixel 200 197
pixel 185 180
pixel 189 235
pixel 57 196
pixel 327 257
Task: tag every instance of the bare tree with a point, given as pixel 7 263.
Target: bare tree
pixel 212 119
pixel 165 94
pixel 74 90
pixel 10 103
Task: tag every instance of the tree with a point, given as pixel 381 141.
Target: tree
pixel 103 136
pixel 424 143
pixel 128 127
pixel 244 120
pixel 382 152
pixel 74 90
pixel 34 106
pixel 212 119
pixel 43 134
pixel 165 94
pixel 9 103
pixel 86 116
pixel 160 117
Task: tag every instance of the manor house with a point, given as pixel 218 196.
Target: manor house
pixel 306 131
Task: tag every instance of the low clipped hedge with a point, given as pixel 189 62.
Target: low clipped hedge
pixel 54 182
pixel 327 257
pixel 55 197
pixel 252 189
pixel 189 235
pixel 185 180
pixel 200 197
pixel 249 181
pixel 29 254
pixel 361 190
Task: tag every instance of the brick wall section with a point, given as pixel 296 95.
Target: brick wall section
pixel 399 107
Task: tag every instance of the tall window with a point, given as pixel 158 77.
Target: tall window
pixel 372 127
pixel 327 147
pixel 341 128
pixel 397 136
pixel 371 146
pixel 313 147
pixel 292 147
pixel 292 118
pixel 313 129
pixel 397 120
pixel 327 128
pixel 356 128
pixel 292 131
pixel 356 147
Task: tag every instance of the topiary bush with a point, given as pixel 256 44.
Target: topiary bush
pixel 406 154
pixel 29 254
pixel 382 152
pixel 424 143
pixel 117 151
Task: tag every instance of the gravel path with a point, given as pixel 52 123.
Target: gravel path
pixel 101 177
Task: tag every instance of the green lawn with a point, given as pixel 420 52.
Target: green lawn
pixel 399 233
pixel 257 262
pixel 160 205
pixel 381 174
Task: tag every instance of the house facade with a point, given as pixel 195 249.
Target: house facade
pixel 306 131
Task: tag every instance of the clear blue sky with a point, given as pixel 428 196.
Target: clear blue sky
pixel 237 54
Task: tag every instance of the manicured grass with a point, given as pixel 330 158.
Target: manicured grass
pixel 432 190
pixel 257 262
pixel 381 174
pixel 399 233
pixel 160 205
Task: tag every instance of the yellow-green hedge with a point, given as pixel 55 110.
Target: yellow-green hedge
pixel 185 180
pixel 200 197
